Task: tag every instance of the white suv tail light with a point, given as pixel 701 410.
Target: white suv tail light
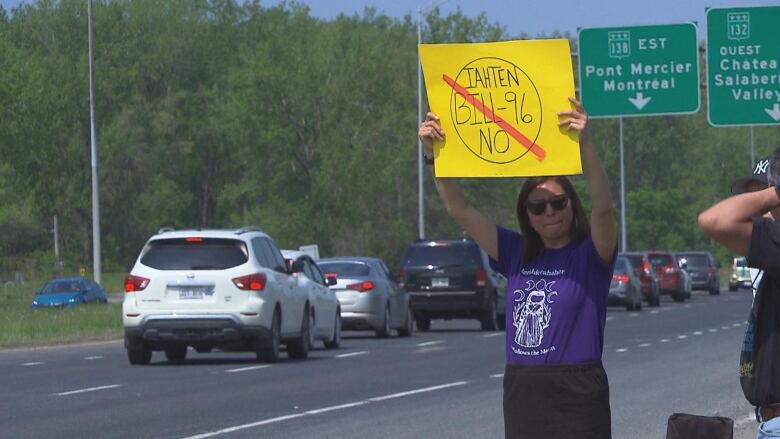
pixel 252 282
pixel 135 283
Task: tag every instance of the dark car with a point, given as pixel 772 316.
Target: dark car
pixel 67 292
pixel 625 289
pixel 449 279
pixel 647 277
pixel 703 269
pixel 670 276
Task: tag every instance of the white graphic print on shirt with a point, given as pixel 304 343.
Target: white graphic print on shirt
pixel 532 316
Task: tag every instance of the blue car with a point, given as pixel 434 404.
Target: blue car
pixel 67 292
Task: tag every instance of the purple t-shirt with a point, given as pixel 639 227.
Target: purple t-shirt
pixel 556 305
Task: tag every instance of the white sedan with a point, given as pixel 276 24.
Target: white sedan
pixel 326 310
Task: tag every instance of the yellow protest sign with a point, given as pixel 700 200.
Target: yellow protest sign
pixel 498 105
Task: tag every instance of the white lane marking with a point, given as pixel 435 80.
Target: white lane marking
pixel 633 315
pixel 244 369
pixel 725 327
pixel 94 357
pixel 644 345
pixel 492 334
pixel 337 407
pixel 697 333
pixel 497 375
pixel 713 330
pixel 736 324
pixel 621 350
pixel 430 343
pixel 610 318
pixel 681 337
pixel 664 340
pixel 245 426
pixel 324 409
pixel 415 392
pixel 34 363
pixel 430 349
pixel 351 354
pixel 655 311
pixel 90 389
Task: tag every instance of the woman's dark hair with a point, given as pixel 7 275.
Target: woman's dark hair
pixel 532 242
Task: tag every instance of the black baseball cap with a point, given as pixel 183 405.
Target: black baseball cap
pixel 759 174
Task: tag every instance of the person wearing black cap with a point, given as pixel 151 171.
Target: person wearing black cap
pixel 755 181
pixel 748 223
pixel 752 183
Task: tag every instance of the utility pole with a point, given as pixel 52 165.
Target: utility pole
pixel 57 260
pixel 93 149
pixel 420 192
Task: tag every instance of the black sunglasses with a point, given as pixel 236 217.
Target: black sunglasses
pixel 538 207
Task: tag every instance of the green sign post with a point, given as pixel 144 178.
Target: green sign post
pixel 743 55
pixel 639 71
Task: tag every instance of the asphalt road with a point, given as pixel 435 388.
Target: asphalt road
pixel 445 383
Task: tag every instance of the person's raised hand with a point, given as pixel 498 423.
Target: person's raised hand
pixel 429 131
pixel 576 119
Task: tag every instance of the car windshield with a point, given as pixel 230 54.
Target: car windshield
pixel 442 255
pixel 693 260
pixel 346 269
pixel 62 286
pixel 195 254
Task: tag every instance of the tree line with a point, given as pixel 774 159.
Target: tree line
pixel 220 113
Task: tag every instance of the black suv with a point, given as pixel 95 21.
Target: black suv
pixel 452 279
pixel 703 269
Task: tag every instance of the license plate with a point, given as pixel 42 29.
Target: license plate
pixel 438 282
pixel 191 294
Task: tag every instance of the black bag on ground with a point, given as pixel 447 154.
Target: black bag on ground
pixel 685 426
pixel 759 360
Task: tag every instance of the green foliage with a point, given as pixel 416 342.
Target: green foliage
pixel 220 113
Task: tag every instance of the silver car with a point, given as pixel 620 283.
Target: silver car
pixel 370 298
pixel 625 288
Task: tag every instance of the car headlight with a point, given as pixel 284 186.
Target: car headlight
pixel 72 300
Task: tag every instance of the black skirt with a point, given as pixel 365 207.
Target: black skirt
pixel 556 402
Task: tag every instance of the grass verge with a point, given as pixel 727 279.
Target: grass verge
pixel 22 326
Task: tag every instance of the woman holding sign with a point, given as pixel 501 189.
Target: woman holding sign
pixel 559 268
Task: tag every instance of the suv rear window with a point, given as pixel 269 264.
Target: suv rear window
pixel 694 260
pixel 441 255
pixel 205 254
pixel 660 260
pixel 345 269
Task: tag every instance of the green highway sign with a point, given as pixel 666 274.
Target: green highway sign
pixel 743 55
pixel 640 70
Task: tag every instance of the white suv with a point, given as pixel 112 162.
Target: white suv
pixel 213 288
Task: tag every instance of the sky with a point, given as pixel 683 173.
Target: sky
pixel 538 16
